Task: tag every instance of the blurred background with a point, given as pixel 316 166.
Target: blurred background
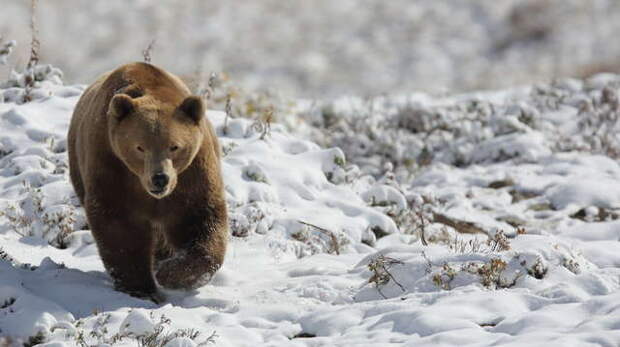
pixel 326 48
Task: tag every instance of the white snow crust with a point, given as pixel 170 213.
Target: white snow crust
pixel 307 227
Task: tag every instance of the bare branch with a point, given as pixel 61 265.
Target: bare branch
pixel 324 231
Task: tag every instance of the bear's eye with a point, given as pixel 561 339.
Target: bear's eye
pixel 140 149
pixel 174 148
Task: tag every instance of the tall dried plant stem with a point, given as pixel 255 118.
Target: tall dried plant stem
pixel 146 53
pixel 33 61
pixel 34 43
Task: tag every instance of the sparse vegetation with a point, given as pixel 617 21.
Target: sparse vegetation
pixel 59 223
pixel 35 339
pixel 537 270
pixel 335 243
pixel 313 243
pixel 208 91
pixel 596 214
pixel 491 271
pixel 146 53
pixel 599 121
pixel 459 245
pixel 254 173
pixel 6 48
pixel 247 219
pixel 4 256
pixel 7 302
pixel 159 336
pixel 381 275
pixel 444 276
pixel 228 148
pixel 263 123
pixel 416 218
pixel 33 61
pixel 17 215
pixel 494 244
pixel 29 218
pixel 228 110
pixel 498 242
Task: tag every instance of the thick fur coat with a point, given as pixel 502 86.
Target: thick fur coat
pixel 145 164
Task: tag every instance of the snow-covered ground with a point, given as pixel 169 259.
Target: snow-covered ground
pixel 325 246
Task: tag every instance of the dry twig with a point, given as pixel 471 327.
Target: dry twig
pixel 146 53
pixel 459 225
pixel 324 231
pixel 381 275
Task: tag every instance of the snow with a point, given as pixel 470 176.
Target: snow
pixel 324 252
pixel 329 48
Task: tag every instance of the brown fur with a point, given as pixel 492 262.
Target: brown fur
pixel 179 234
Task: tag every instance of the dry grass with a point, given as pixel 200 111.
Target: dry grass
pixel 334 245
pixel 491 271
pixel 5 50
pixel 381 275
pixel 310 237
pixel 228 110
pixel 35 46
pixel 29 217
pixel 159 337
pixel 598 123
pixel 146 53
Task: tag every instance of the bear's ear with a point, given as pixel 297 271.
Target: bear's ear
pixel 193 107
pixel 121 105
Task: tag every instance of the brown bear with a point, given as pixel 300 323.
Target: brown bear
pixel 145 164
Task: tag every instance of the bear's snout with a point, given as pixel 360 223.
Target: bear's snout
pixel 159 177
pixel 160 185
pixel 160 181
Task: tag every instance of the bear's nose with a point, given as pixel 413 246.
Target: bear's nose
pixel 160 180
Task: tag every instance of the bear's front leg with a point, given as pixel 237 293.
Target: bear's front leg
pixel 125 247
pixel 200 250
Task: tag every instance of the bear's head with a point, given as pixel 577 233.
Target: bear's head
pixel 156 140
